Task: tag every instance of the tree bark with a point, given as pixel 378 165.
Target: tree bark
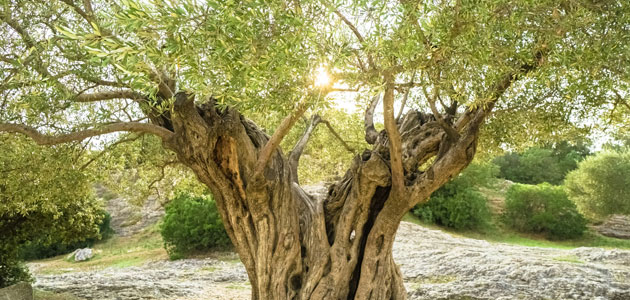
pixel 295 246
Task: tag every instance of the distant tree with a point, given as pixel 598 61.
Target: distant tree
pixel 600 186
pixel 193 73
pixel 536 165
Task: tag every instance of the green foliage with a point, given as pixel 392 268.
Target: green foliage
pixel 537 165
pixel 543 208
pixel 600 186
pixel 458 204
pixel 192 223
pixel 45 248
pixel 233 49
pixel 44 196
pixel 12 270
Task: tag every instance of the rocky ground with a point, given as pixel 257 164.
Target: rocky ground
pixel 436 265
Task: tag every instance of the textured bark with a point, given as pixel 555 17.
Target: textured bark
pixel 297 247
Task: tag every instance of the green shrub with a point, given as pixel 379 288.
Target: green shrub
pixel 48 246
pixel 458 204
pixel 543 208
pixel 192 223
pixel 12 271
pixel 600 186
pixel 462 209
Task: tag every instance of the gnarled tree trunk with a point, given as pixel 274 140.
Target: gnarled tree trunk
pixel 298 247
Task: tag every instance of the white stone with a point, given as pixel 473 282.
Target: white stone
pixel 83 254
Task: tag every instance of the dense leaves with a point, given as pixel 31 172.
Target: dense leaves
pixel 44 196
pixel 43 248
pixel 544 209
pixel 192 223
pixel 601 184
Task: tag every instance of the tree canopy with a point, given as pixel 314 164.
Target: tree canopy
pixel 196 73
pixel 62 61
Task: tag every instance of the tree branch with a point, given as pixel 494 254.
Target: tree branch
pixel 298 149
pixel 88 17
pixel 343 90
pixel 334 132
pixel 109 95
pixel 395 143
pixel 356 33
pixel 276 138
pixel 370 132
pixel 109 147
pixel 44 139
pixel 450 131
pixel 402 106
pixel 88 7
pixel 350 25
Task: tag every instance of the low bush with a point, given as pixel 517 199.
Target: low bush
pixel 543 208
pixel 463 209
pixel 458 204
pixel 12 271
pixel 600 186
pixel 192 223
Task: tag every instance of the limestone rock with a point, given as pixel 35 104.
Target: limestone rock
pixel 617 226
pixel 20 291
pixel 434 265
pixel 83 254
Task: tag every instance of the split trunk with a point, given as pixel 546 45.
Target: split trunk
pixel 295 246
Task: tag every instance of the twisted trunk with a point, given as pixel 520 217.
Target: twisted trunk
pixel 295 246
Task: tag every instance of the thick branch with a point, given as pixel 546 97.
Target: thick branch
pixel 370 132
pixel 395 144
pixel 44 139
pixel 276 138
pixel 109 95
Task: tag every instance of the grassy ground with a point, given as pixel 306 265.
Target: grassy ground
pixel 117 252
pixel 498 234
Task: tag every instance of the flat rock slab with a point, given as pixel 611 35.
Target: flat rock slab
pixel 20 291
pixel 617 226
pixel 435 265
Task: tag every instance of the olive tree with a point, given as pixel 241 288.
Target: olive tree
pixel 193 73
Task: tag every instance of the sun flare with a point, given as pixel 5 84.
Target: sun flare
pixel 322 78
